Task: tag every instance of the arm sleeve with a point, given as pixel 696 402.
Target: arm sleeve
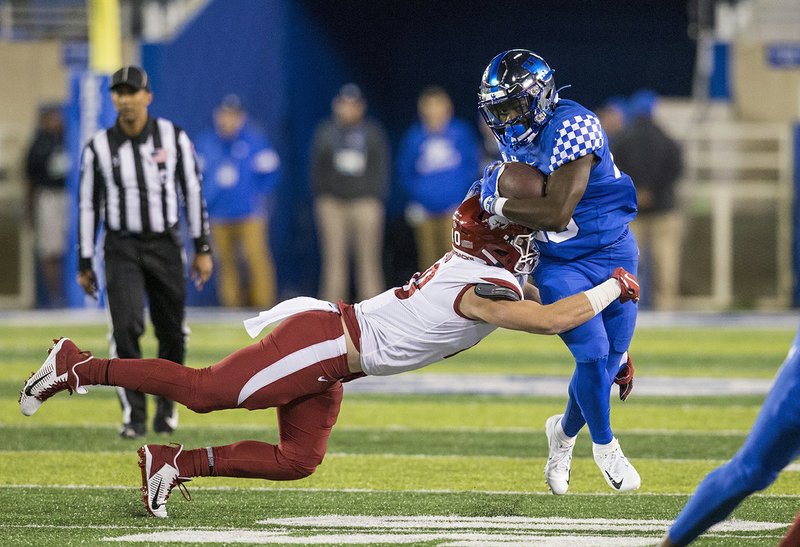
pixel 190 180
pixel 89 205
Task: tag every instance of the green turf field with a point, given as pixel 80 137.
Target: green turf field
pixel 425 470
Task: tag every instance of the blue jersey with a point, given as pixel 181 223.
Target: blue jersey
pixel 436 168
pixel 609 202
pixel 237 173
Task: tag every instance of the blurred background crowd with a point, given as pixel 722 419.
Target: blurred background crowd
pixel 336 138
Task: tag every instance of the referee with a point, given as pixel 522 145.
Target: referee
pixel 133 176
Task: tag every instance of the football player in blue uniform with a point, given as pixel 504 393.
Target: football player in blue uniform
pixel 773 443
pixel 583 235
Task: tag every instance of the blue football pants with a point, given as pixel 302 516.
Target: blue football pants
pixel 598 345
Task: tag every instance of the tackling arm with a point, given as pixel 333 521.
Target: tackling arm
pixel 555 318
pixel 551 212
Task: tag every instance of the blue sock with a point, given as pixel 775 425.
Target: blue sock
pixel 573 421
pixel 591 388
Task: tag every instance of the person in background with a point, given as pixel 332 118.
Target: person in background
pixel 612 116
pixel 436 163
pixel 240 171
pixel 350 169
pixel 654 161
pixel 46 167
pixel 154 161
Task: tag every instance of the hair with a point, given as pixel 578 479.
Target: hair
pixel 433 91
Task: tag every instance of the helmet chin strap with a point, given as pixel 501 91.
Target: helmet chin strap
pixel 518 140
pixel 490 259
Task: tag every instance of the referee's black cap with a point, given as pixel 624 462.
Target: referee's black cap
pixel 132 76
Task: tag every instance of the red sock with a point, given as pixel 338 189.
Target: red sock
pixel 194 463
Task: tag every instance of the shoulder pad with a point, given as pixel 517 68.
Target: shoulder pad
pixel 496 292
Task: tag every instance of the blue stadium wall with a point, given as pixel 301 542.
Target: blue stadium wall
pixel 287 59
pixel 278 61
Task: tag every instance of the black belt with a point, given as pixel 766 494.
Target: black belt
pixel 145 236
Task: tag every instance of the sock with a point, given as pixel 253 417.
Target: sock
pixel 605 448
pixel 93 372
pixel 561 436
pixel 592 389
pixel 194 463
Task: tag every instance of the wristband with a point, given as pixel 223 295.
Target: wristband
pixel 603 294
pixel 498 206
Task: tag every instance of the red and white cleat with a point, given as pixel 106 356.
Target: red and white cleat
pixel 56 374
pixel 159 464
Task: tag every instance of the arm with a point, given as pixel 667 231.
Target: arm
pixel 565 188
pixel 88 219
pixel 555 318
pixel 531 292
pixel 188 176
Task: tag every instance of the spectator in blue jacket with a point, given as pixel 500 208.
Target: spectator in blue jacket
pixel 240 169
pixel 436 164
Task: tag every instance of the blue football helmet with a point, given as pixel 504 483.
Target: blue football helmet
pixel 517 96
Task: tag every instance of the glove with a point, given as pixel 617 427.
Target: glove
pixel 624 379
pixel 489 193
pixel 628 284
pixel 474 190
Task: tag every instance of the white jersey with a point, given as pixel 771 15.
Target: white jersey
pixel 412 326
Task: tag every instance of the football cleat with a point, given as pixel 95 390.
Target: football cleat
pixel 559 460
pixel 159 465
pixel 56 374
pixel 615 467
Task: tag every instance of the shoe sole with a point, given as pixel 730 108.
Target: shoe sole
pixel 145 462
pixel 549 430
pixel 30 409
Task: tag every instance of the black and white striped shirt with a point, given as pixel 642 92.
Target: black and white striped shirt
pixel 135 184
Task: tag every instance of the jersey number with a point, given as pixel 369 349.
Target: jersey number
pixel 558 237
pixel 417 281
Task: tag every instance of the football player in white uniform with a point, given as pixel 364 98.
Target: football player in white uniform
pixel 300 366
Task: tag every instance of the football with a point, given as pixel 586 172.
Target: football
pixel 520 181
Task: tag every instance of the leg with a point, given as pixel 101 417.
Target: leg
pixel 666 258
pixel 227 276
pixel 444 235
pixel 425 236
pixel 258 258
pixel 304 424
pixel 772 444
pixel 333 248
pixel 166 291
pixel 125 287
pixel 275 371
pixel 792 537
pixel 367 221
